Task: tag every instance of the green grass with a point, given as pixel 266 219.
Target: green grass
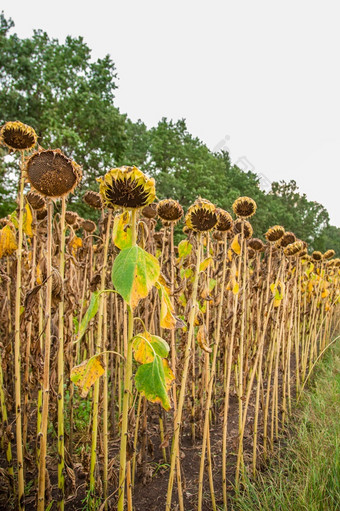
pixel 305 473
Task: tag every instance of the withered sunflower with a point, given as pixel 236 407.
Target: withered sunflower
pixel 150 211
pixel 256 244
pixel 88 225
pixel 274 233
pixel 287 239
pixel 225 222
pixel 201 216
pixel 41 214
pixel 71 217
pixel 18 136
pixel 247 228
pixel 316 255
pixel 244 207
pixel 329 253
pixel 169 210
pixel 93 199
pixel 293 248
pixel 52 174
pixel 127 187
pixel 35 200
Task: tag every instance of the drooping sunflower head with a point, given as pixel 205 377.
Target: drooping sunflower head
pixel 287 239
pixel 244 207
pixel 316 255
pixel 52 174
pixel 71 217
pixel 41 214
pixel 275 233
pixel 88 225
pixel 93 199
pixel 127 187
pixel 293 248
pixel 251 253
pixel 246 226
pixel 329 254
pixel 256 244
pixel 225 222
pixel 303 253
pixel 169 210
pixel 35 200
pixel 149 211
pixel 201 216
pixel 18 136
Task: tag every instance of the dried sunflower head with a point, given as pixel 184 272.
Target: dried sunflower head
pixel 41 214
pixel 244 207
pixel 256 244
pixel 169 210
pixel 293 248
pixel 127 187
pixel 18 136
pixel 201 216
pixel 275 233
pixel 303 253
pixel 328 254
pixel 93 199
pixel 88 225
pixel 316 255
pixel 71 217
pixel 287 239
pixel 218 235
pixel 35 200
pixel 251 253
pixel 52 174
pixel 247 228
pixel 225 222
pixel 150 211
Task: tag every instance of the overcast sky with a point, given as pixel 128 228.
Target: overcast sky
pixel 259 77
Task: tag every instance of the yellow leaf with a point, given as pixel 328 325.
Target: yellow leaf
pixel 230 255
pixel 167 318
pixel 168 374
pixel 121 232
pixel 235 246
pixel 75 244
pixel 27 221
pixel 202 339
pixel 39 275
pixel 204 264
pixel 87 373
pixel 8 243
pixel 236 288
pixel 277 288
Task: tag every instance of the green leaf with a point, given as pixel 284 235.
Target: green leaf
pixel 184 249
pixel 89 314
pixel 134 272
pixel 121 231
pixel 146 346
pixel 150 381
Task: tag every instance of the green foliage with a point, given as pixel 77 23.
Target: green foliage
pixel 134 272
pixel 68 98
pixel 89 314
pixel 150 380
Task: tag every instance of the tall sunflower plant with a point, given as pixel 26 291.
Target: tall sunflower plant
pixel 135 272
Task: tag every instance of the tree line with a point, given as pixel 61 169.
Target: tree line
pixel 69 99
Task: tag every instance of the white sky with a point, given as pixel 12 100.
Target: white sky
pixel 263 73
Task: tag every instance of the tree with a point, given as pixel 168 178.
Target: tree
pixel 64 95
pixel 295 212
